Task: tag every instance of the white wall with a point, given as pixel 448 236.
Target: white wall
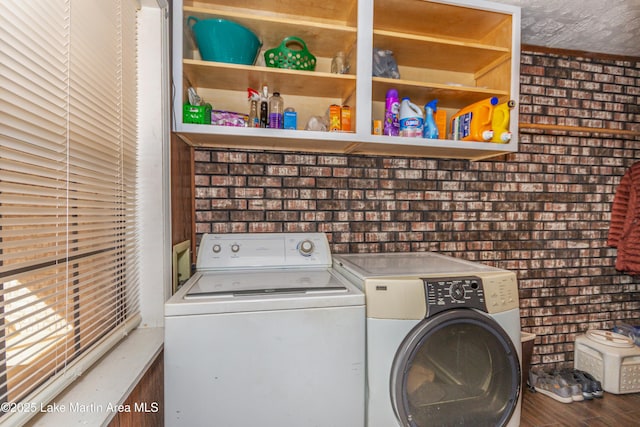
pixel 154 188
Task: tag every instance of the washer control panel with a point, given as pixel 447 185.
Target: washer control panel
pixel 263 250
pixel 454 292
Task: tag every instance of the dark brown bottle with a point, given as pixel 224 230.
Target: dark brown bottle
pixel 264 114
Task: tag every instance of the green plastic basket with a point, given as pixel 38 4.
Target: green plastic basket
pixel 293 59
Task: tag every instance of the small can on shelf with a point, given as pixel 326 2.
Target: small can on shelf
pixel 376 127
pixel 290 119
pixel 345 118
pixel 335 112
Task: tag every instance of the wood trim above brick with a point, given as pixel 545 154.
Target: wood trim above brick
pixel 542 126
pixel 577 53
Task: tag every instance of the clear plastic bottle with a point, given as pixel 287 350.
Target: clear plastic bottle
pixel 254 117
pixel 254 120
pixel 276 111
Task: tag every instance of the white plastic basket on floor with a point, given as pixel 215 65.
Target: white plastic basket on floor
pixel 611 358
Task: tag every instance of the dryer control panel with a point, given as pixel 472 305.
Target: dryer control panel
pixel 491 292
pixel 454 292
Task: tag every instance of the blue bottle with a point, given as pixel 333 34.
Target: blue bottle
pixel 430 129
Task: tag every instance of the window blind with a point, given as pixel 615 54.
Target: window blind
pixel 68 146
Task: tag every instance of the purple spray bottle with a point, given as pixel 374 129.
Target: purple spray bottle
pixel 391 111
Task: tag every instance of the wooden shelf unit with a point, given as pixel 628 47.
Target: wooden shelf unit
pixel 456 51
pixel 235 77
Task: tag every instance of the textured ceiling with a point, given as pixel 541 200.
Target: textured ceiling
pixel 597 26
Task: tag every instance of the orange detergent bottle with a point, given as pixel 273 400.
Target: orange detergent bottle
pixel 500 122
pixel 473 122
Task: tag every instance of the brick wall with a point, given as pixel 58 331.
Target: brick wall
pixel 542 212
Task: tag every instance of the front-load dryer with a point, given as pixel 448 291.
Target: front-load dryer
pixel 443 340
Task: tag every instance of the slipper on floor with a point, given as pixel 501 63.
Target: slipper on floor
pixel 596 387
pixel 568 379
pixel 587 391
pixel 550 385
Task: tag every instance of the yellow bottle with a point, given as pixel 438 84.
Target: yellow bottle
pixel 473 122
pixel 500 122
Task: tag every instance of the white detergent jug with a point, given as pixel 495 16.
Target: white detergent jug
pixel 411 121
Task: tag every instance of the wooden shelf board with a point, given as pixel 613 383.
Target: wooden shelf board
pixel 342 143
pixel 431 151
pixel 454 96
pixel 248 138
pixel 220 75
pixel 437 53
pixel 443 20
pixel 322 38
pixel 344 11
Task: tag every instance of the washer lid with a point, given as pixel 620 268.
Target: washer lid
pixel 262 290
pixel 407 264
pixel 246 283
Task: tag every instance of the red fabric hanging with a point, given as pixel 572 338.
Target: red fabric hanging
pixel 624 230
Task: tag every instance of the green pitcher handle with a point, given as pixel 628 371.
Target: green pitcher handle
pixel 286 40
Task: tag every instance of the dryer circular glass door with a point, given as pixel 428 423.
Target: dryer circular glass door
pixel 456 368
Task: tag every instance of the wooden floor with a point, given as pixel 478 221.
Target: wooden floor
pixel 612 410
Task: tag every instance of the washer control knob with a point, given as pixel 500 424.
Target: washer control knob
pixel 235 248
pixel 457 291
pixel 306 247
pixel 216 248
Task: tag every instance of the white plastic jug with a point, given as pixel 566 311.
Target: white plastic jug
pixel 411 121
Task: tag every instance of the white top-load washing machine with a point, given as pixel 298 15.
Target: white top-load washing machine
pixel 443 340
pixel 265 334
